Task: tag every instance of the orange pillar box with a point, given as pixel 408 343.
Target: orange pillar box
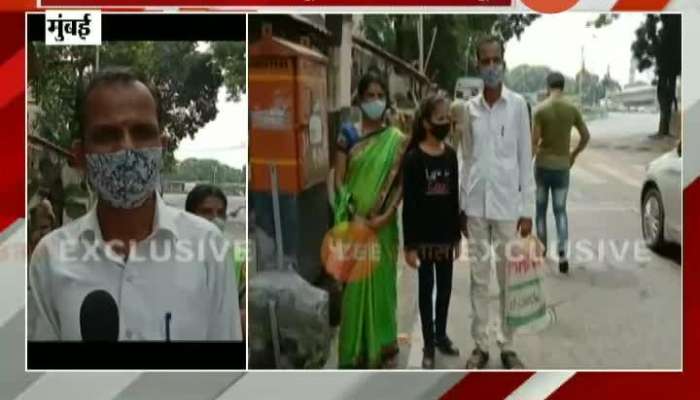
pixel 287 85
pixel 287 102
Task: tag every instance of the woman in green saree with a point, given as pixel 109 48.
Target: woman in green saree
pixel 368 190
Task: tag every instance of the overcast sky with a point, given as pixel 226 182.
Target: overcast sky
pixel 556 40
pixel 225 138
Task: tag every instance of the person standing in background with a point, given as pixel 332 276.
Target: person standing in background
pixel 551 137
pixel 42 220
pixel 78 198
pixel 209 202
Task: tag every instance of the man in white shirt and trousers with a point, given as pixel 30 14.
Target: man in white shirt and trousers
pixel 497 192
pixel 151 271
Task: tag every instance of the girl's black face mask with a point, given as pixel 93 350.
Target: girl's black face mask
pixel 440 131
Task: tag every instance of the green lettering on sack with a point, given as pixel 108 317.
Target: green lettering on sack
pixel 524 320
pixel 521 285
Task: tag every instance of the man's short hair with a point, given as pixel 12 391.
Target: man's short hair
pixel 489 39
pixel 555 80
pixel 106 77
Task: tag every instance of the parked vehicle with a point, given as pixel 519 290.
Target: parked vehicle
pixel 661 211
pixel 468 87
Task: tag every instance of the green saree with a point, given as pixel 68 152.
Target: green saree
pixel 372 184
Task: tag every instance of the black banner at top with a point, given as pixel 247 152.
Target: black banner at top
pixel 159 27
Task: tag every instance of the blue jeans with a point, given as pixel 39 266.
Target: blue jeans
pixel 556 181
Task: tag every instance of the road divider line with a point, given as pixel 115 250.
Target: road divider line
pixel 618 175
pixel 579 172
pixel 601 208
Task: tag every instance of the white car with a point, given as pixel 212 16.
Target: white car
pixel 661 200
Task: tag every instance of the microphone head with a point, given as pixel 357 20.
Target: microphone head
pixel 99 317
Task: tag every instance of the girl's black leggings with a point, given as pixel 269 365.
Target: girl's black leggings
pixel 429 273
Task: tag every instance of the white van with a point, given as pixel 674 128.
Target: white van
pixel 468 87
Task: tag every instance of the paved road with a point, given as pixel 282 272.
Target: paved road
pixel 625 125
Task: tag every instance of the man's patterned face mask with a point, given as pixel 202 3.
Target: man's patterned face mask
pixel 125 178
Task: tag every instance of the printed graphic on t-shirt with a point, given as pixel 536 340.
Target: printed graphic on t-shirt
pixel 437 182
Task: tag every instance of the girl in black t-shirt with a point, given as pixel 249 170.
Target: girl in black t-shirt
pixel 431 220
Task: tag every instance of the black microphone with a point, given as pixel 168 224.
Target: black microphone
pixel 168 318
pixel 99 317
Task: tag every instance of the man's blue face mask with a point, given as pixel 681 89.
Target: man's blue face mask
pixel 125 178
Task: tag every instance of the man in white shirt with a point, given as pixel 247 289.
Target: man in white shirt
pixel 166 270
pixel 497 191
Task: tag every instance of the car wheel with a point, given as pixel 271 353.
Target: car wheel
pixel 653 218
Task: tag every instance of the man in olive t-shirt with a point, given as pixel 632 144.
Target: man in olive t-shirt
pixel 553 121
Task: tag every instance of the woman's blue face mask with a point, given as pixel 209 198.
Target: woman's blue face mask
pixel 374 109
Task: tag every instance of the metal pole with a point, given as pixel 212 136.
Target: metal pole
pixel 274 331
pixel 97 58
pixel 580 79
pixel 430 50
pixel 420 44
pixel 469 55
pixel 278 218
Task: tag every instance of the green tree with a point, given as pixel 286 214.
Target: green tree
pixel 658 45
pixel 603 20
pixel 454 39
pixel 53 73
pixel 206 170
pixel 532 79
pixel 188 81
pixel 381 29
pixel 230 57
pixel 610 85
pixel 590 87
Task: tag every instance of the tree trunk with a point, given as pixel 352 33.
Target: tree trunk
pixel 665 93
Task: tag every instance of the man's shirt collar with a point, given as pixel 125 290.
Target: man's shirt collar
pixel 163 222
